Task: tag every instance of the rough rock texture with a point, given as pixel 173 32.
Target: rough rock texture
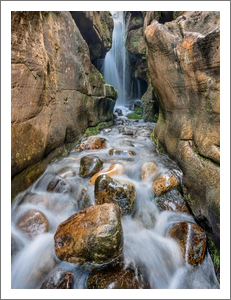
pixel 108 190
pixel 92 143
pixel 96 28
pixel 89 165
pixel 116 276
pixel 136 47
pixel 172 201
pixel 165 182
pixel 91 235
pixel 150 105
pixel 184 66
pixel 59 280
pixel 56 92
pixel 191 239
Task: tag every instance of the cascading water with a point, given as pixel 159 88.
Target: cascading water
pixel 145 246
pixel 116 69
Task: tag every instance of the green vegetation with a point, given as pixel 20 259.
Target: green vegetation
pixel 95 130
pixel 138 114
pixel 215 255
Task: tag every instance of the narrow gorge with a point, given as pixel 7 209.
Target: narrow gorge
pixel 115 150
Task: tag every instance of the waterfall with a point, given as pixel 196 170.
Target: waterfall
pixel 115 69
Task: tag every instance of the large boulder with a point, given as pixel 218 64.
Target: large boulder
pixel 56 91
pixel 92 235
pixel 184 66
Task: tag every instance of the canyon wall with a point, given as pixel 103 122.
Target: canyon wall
pixel 183 58
pixel 57 93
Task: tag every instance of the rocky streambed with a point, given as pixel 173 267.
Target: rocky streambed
pixel 109 215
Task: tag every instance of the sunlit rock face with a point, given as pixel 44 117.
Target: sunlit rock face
pixel 56 91
pixel 184 65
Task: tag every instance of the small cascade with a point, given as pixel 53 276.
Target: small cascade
pixel 116 68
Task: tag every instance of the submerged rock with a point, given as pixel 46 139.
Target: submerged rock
pixel 91 235
pixel 33 223
pixel 108 190
pixel 123 153
pixel 58 185
pixel 165 182
pixel 115 169
pixel 116 276
pixel 191 239
pixel 16 244
pixel 59 280
pixel 89 165
pixel 149 169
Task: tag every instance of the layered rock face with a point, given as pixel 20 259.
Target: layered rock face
pixel 56 91
pixel 184 66
pixel 96 28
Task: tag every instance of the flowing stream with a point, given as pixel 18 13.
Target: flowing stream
pixel 144 230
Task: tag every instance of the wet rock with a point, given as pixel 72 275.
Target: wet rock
pixel 16 244
pixel 138 104
pixel 59 280
pixel 116 276
pixel 44 267
pixel 108 190
pixel 115 169
pixel 84 200
pixel 119 112
pixel 33 223
pixel 191 239
pixel 93 143
pixel 91 235
pixel 149 169
pixel 58 185
pixel 62 187
pixel 123 153
pixel 172 201
pixel 89 165
pixel 52 184
pixel 165 182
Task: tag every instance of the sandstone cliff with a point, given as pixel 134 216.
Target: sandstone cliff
pixel 56 91
pixel 184 65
